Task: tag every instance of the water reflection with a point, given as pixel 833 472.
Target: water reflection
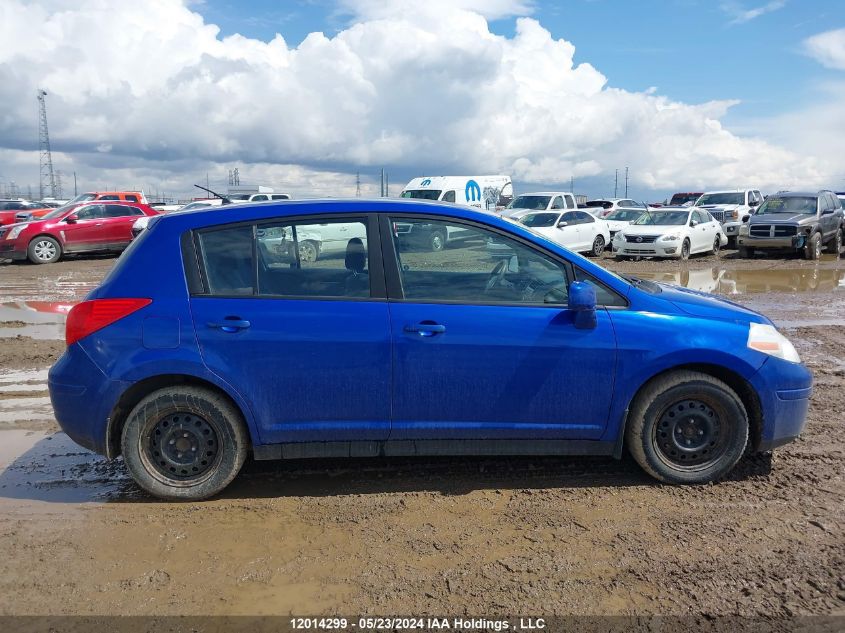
pixel 734 282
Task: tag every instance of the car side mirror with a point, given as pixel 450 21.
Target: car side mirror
pixel 561 225
pixel 753 203
pixel 72 219
pixel 746 218
pixel 693 223
pixel 582 302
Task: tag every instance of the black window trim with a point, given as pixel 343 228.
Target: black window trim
pixel 378 292
pixel 395 293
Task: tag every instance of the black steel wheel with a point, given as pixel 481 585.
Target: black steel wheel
pixel 184 443
pixel 686 427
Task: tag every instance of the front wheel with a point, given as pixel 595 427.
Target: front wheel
pixel 687 428
pixel 717 245
pixel 308 251
pixel 745 252
pixel 598 246
pixel 835 245
pixel 685 248
pixel 44 250
pixel 437 241
pixel 184 443
pixel 813 249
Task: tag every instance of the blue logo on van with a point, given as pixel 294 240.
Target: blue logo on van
pixel 473 191
pixel 426 182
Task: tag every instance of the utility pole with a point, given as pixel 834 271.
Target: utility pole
pixel 386 185
pixel 74 185
pixel 45 156
pixel 381 188
pixel 616 185
pixel 626 182
pixel 572 184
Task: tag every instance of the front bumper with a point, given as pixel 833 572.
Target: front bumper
pixel 653 249
pixel 784 389
pixel 8 251
pixel 788 242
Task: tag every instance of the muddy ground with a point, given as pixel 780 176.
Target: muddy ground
pixel 428 536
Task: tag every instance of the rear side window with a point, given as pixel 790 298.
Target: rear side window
pixel 131 198
pixel 121 211
pixel 228 260
pixel 109 198
pixel 261 198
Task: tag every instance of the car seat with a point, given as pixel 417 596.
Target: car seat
pixel 357 280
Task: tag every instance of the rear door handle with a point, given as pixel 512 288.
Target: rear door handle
pixel 426 329
pixel 229 325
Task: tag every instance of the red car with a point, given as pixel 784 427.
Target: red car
pixel 81 228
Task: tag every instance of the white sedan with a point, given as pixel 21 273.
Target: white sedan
pixel 670 232
pixel 576 230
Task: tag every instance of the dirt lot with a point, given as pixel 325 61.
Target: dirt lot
pixel 444 536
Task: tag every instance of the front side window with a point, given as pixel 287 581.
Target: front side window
pixel 422 194
pixel 449 196
pixel 91 212
pixel 109 197
pixel 540 220
pixel 558 203
pixel 261 198
pixel 132 198
pixel 477 266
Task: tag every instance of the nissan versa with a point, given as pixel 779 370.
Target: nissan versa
pixel 212 337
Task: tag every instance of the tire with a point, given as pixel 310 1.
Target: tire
pixel 717 245
pixel 835 245
pixel 44 250
pixel 201 419
pixel 678 447
pixel 685 248
pixel 745 252
pixel 813 249
pixel 437 241
pixel 619 258
pixel 308 251
pixel 598 246
pixel 732 242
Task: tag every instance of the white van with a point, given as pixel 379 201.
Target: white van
pixel 483 192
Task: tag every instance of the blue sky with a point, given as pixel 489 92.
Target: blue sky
pixel 690 50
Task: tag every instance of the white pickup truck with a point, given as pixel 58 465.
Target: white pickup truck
pixel 730 207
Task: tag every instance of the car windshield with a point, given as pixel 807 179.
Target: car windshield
pixel 787 204
pixel 422 194
pixel 82 197
pixel 530 202
pixel 682 198
pixel 663 218
pixel 56 213
pixel 195 205
pixel 624 215
pixel 604 204
pixel 721 198
pixel 540 219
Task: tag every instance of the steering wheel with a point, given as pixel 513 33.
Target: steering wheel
pixel 497 275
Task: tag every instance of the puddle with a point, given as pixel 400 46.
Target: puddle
pixel 38 466
pixel 735 282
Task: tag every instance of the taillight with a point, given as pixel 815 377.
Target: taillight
pixel 89 316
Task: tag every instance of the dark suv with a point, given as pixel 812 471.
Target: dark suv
pixel 797 221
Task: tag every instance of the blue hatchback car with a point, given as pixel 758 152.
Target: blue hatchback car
pixel 318 328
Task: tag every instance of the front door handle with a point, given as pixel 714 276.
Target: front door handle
pixel 229 324
pixel 426 328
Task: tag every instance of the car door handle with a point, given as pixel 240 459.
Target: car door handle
pixel 229 325
pixel 425 329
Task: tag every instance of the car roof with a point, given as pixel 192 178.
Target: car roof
pixel 544 193
pixel 728 191
pixel 801 194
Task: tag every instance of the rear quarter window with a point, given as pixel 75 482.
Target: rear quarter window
pixel 227 257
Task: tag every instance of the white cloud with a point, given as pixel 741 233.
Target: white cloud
pixel 428 89
pixel 827 48
pixel 740 14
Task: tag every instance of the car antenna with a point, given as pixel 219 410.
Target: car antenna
pixel 215 194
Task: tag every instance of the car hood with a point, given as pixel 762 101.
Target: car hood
pixel 780 218
pixel 651 229
pixel 703 304
pixel 725 207
pixel 617 225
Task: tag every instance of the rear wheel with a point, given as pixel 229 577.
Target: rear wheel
pixel 687 428
pixel 598 246
pixel 835 245
pixel 437 241
pixel 184 443
pixel 308 251
pixel 813 249
pixel 44 250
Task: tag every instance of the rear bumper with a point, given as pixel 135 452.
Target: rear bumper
pixel 83 398
pixel 784 389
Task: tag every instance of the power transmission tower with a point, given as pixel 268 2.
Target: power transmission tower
pixel 57 190
pixel 626 182
pixel 46 158
pixel 358 184
pixel 616 184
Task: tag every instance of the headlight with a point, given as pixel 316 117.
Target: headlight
pixel 619 236
pixel 671 237
pixel 15 232
pixel 765 338
pixel 743 230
